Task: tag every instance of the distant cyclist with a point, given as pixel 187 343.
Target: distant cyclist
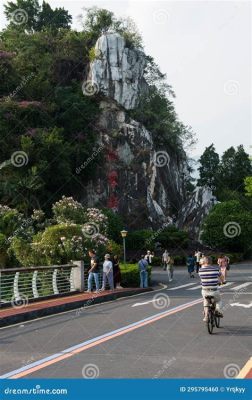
pixel 223 262
pixel 210 275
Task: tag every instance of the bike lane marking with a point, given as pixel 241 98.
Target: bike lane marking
pixel 246 371
pixel 71 351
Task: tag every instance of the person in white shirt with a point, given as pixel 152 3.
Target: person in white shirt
pixel 149 256
pixel 165 258
pixel 107 273
pixel 198 257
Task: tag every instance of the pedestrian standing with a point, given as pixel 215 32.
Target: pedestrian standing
pixel 170 263
pixel 149 256
pixel 197 255
pixel 165 259
pixel 143 269
pixel 223 262
pixel 107 273
pixel 190 265
pixel 93 272
pixel 116 273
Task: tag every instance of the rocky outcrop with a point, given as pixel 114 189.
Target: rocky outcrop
pixel 195 209
pixel 139 180
pixel 141 183
pixel 117 70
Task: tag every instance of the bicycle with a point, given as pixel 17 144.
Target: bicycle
pixel 212 318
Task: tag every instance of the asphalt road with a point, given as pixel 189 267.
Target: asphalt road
pixel 161 335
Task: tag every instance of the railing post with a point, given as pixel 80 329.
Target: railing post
pixel 54 281
pixel 15 286
pixel 78 275
pixel 34 285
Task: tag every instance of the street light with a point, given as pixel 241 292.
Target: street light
pixel 124 234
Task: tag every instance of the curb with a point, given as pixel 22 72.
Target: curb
pixel 58 308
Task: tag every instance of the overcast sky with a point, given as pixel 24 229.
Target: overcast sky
pixel 204 47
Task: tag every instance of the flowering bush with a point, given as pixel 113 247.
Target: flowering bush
pixel 59 244
pixel 68 210
pixel 96 218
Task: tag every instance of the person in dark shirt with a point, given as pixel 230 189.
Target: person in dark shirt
pixel 143 269
pixel 116 272
pixel 93 272
pixel 191 265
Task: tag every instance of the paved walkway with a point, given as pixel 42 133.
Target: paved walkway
pixel 37 309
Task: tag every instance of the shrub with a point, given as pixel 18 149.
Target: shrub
pixel 68 210
pixel 3 248
pixel 157 261
pixel 130 275
pixel 114 248
pixel 179 260
pixel 172 237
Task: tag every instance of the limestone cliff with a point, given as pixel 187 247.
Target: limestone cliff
pixel 141 181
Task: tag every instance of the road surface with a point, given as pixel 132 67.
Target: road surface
pixel 153 335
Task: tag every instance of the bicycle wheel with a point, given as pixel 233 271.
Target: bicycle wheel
pixel 210 322
pixel 217 321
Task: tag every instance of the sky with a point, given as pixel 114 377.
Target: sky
pixel 204 47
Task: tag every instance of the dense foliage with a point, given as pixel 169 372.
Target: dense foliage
pixel 229 226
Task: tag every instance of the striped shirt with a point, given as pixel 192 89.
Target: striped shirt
pixel 209 277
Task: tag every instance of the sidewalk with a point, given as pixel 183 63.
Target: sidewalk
pixel 13 315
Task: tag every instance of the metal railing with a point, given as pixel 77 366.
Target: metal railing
pixel 20 285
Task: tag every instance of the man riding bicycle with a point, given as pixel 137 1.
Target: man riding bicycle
pixel 210 277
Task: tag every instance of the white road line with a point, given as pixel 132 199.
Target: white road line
pixel 144 302
pixel 226 284
pixel 195 287
pixel 241 286
pixel 182 286
pixel 241 305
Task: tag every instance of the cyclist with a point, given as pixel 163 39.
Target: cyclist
pixel 210 275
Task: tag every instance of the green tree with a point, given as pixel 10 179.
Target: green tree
pixel 235 167
pixel 228 226
pixel 248 186
pixel 208 170
pixel 30 16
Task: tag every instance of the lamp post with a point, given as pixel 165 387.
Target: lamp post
pixel 124 234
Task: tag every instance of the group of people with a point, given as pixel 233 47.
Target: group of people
pixel 111 273
pixel 194 263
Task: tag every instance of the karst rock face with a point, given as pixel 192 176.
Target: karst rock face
pixel 141 181
pixel 118 71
